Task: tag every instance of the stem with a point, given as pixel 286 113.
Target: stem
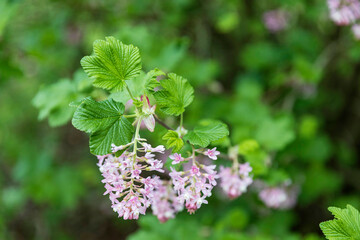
pixel 129 116
pixel 135 147
pixel 181 121
pixel 224 156
pixel 128 89
pixel 193 154
pixel 163 124
pixel 136 136
pixel 236 164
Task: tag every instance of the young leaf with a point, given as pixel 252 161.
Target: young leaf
pixel 175 96
pixel 345 226
pixel 142 84
pixel 204 134
pixel 173 140
pixel 105 121
pixel 112 64
pixel 150 79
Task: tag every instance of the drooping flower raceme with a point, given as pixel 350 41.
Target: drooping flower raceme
pixel 279 197
pixel 193 185
pixel 165 203
pixel 129 192
pixel 344 12
pixel 356 31
pixel 235 180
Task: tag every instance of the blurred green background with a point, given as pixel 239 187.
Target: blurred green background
pixel 296 91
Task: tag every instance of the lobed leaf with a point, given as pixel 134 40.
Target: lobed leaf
pixel 176 95
pixel 204 134
pixel 173 140
pixel 119 133
pixel 92 116
pixel 345 226
pixel 112 63
pixel 105 121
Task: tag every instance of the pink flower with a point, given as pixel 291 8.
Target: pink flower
pixel 129 192
pixel 212 153
pixel 194 187
pixel 195 170
pixel 177 158
pixel 235 180
pixel 245 169
pixel 279 197
pixel 115 148
pixel 135 173
pixel 165 203
pixel 148 148
pixel 149 112
pixel 276 20
pixel 344 12
pixel 356 31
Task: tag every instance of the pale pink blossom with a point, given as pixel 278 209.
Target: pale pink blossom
pixel 276 20
pixel 194 185
pixel 235 180
pixel 129 192
pixel 176 157
pixel 356 31
pixel 212 153
pixel 165 203
pixel 149 112
pixel 344 12
pixel 245 169
pixel 280 197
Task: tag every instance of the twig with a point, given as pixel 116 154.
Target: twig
pixel 163 124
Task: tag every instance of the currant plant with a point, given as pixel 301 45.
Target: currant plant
pixel 133 175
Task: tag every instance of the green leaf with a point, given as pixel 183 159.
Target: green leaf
pixel 53 102
pixel 119 133
pixel 173 141
pixel 112 64
pixel 150 80
pixel 142 84
pixel 207 132
pixel 92 116
pixel 275 134
pixel 176 95
pixel 105 121
pixel 248 146
pixel 345 226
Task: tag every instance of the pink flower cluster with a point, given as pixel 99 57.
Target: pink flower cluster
pixel 165 203
pixel 235 180
pixel 279 197
pixel 196 183
pixel 129 192
pixel 346 12
pixel 276 20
